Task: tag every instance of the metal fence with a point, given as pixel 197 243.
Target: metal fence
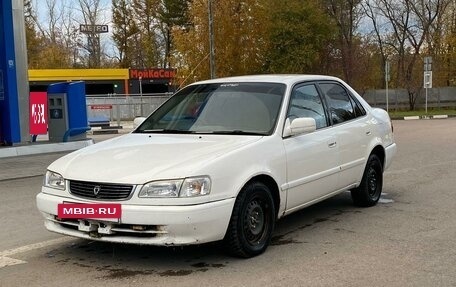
pixel 398 99
pixel 118 108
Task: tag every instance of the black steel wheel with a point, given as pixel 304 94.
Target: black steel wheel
pixel 370 189
pixel 252 221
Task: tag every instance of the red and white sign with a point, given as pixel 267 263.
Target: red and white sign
pixel 94 211
pixel 38 113
pixel 101 107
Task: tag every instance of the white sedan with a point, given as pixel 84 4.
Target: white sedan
pixel 223 160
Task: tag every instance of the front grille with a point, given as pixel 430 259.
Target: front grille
pixel 94 190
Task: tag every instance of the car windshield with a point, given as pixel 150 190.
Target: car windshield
pixel 222 108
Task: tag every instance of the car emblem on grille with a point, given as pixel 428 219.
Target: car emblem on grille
pixel 96 190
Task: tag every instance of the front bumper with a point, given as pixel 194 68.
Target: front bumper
pixel 143 224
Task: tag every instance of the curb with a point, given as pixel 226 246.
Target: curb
pixel 434 117
pixel 44 148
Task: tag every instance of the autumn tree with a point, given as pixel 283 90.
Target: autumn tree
pixel 409 23
pixel 148 50
pixel 32 39
pixel 91 12
pixel 54 39
pixel 240 39
pixel 255 36
pixel 299 36
pixel 449 57
pixel 347 16
pixel 124 31
pixel 51 52
pixel 368 67
pixel 71 38
pixel 192 45
pixel 171 13
pixel 441 45
pixel 239 36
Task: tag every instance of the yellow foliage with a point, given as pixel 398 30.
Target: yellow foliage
pixel 53 57
pixel 239 40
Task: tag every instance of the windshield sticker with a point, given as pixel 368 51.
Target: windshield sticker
pixel 229 85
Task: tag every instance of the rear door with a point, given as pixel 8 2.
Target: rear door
pixel 351 129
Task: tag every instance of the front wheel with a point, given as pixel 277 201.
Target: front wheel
pixel 252 221
pixel 369 191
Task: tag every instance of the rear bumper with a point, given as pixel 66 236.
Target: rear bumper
pixel 390 152
pixel 163 225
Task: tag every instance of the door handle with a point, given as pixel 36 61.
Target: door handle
pixel 332 144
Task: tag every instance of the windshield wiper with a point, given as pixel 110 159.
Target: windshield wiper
pixel 239 132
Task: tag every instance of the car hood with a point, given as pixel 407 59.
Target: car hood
pixel 139 158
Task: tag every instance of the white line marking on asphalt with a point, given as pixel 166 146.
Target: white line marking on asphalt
pixel 5 260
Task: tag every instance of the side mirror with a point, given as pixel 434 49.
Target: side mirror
pixel 138 121
pixel 299 126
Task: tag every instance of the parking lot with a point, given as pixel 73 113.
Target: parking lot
pixel 408 239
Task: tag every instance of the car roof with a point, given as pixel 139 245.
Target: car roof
pixel 282 78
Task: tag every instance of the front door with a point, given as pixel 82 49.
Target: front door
pixel 312 159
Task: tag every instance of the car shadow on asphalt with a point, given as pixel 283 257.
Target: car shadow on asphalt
pixel 120 261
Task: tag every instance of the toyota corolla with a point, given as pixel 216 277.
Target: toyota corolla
pixel 223 160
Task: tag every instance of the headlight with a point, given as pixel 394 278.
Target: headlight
pixel 189 187
pixel 54 180
pixel 196 186
pixel 166 188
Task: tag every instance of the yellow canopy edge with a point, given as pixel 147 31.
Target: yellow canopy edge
pixel 51 75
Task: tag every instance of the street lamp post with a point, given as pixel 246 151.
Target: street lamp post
pixel 211 40
pixel 140 96
pixel 387 78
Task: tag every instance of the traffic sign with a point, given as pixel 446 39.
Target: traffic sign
pixel 387 71
pixel 428 80
pixel 427 77
pixel 427 64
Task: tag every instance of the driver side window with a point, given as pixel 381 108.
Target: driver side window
pixel 305 102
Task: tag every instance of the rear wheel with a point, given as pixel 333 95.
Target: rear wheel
pixel 369 191
pixel 252 221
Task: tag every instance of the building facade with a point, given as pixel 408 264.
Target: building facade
pixel 108 81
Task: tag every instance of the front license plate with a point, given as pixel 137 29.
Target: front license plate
pixel 89 210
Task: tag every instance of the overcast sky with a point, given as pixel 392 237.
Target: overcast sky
pixel 73 5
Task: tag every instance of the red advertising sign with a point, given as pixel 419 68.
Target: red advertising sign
pixel 38 113
pixel 152 73
pixel 101 107
pixel 94 211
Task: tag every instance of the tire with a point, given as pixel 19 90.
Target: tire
pixel 252 221
pixel 370 189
